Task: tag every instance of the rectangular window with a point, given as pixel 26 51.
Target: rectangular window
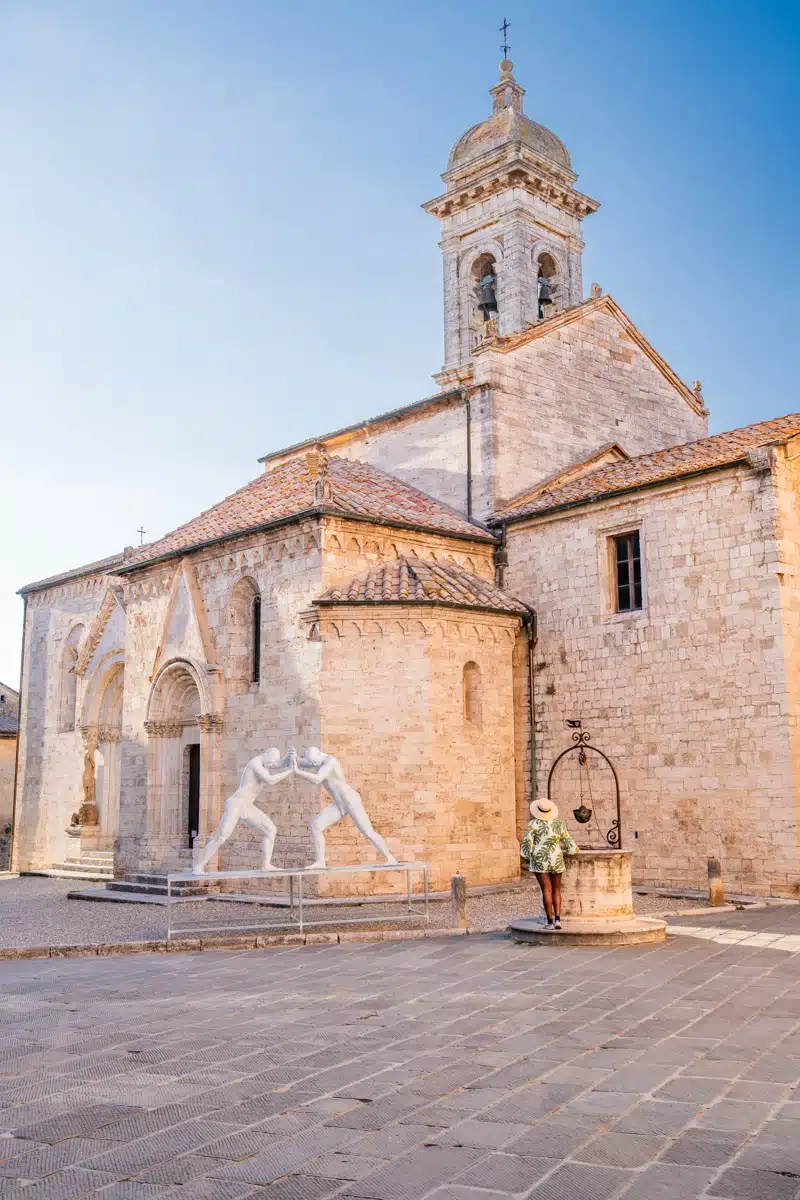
pixel 627 559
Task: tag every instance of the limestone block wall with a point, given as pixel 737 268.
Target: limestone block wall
pixel 8 751
pixel 427 448
pixel 559 397
pixel 50 758
pixel 689 696
pixel 438 787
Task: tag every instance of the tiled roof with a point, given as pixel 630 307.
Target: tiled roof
pixel 9 710
pixel 94 568
pixel 291 489
pixel 723 449
pixel 420 581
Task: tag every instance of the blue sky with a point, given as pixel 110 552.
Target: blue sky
pixel 211 243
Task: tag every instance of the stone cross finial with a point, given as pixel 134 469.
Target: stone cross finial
pixel 595 291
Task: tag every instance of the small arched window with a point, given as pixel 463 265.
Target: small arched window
pixel 256 639
pixel 68 684
pixel 548 289
pixel 471 685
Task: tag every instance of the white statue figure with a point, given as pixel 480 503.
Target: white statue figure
pixel 325 770
pixel 267 768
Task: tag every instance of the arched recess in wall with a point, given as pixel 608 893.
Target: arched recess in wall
pixel 243 665
pixel 472 267
pixel 101 723
pixel 471 693
pixel 68 681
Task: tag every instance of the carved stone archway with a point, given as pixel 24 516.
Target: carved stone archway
pixel 179 717
pixel 101 727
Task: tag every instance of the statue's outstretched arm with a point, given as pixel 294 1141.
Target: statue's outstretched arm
pixel 313 776
pixel 273 777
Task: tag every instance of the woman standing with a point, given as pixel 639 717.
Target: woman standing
pixel 545 843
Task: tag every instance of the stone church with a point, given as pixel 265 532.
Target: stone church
pixel 436 593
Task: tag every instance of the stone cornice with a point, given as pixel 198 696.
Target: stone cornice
pixel 520 172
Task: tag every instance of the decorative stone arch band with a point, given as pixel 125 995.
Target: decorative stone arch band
pixel 582 743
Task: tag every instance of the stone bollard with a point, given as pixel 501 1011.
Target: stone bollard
pixel 716 895
pixel 458 897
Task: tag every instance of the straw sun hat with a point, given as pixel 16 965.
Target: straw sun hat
pixel 545 810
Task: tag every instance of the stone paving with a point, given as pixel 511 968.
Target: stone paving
pixel 455 1069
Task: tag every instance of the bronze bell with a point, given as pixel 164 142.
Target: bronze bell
pixel 544 292
pixel 582 814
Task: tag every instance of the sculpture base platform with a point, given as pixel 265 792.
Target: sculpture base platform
pixel 295 876
pixel 631 931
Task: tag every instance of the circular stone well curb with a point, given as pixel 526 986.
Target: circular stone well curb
pixel 635 931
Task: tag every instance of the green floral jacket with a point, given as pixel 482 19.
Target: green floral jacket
pixel 545 844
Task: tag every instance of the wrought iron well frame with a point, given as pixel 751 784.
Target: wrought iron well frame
pixel 581 741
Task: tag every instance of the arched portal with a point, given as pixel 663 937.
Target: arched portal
pixel 101 726
pixel 182 747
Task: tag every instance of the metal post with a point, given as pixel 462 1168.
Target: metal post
pixel 169 907
pixel 291 897
pixel 425 887
pixel 408 888
pixel 300 898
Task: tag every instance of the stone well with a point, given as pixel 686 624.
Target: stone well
pixel 597 906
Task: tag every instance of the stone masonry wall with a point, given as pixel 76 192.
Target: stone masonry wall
pixel 439 789
pixel 8 754
pixel 559 397
pixel 689 695
pixel 50 761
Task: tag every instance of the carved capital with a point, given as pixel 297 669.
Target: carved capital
pixel 209 722
pixel 89 733
pixel 163 729
pixel 108 733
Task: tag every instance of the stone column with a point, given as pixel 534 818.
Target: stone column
pixel 164 776
pixel 210 726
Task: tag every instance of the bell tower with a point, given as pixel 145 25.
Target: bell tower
pixel 511 229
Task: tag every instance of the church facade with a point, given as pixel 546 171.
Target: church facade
pixel 439 593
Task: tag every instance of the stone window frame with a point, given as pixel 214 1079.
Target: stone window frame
pixel 606 559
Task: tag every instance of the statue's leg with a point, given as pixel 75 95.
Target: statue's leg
pixel 259 820
pixel 230 819
pixel 329 816
pixel 364 826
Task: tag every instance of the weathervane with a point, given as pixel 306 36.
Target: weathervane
pixel 504 28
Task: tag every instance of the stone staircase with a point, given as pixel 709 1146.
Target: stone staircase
pixel 94 865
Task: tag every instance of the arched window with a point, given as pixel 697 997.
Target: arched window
pixel 256 639
pixel 548 288
pixel 243 665
pixel 472 694
pixel 68 684
pixel 483 277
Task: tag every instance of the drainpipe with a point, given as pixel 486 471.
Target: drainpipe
pixel 468 410
pixel 19 735
pixel 531 624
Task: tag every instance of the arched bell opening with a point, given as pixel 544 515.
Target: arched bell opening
pixel 548 287
pixel 484 295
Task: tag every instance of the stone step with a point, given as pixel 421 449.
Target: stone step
pixel 79 868
pixel 63 872
pixel 155 885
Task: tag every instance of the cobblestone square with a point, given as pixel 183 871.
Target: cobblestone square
pixel 449 1068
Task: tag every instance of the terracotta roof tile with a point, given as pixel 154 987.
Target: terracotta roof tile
pixel 720 450
pixel 421 581
pixel 95 568
pixel 355 488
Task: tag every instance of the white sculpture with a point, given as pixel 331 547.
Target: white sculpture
pixel 267 768
pixel 326 771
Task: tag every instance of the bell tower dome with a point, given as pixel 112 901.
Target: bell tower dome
pixel 511 229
